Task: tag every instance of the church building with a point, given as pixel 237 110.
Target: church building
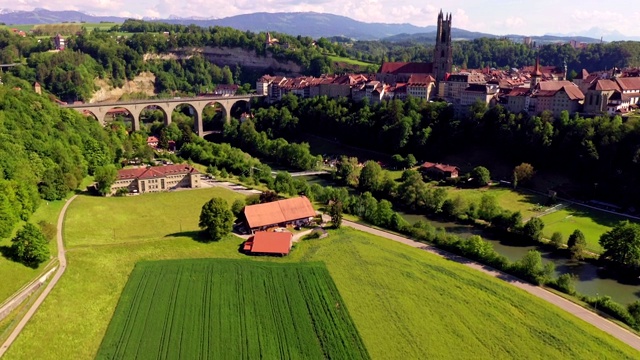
pixel 400 72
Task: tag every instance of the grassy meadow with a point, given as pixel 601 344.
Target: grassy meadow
pixel 220 308
pixel 592 223
pixel 350 61
pixel 404 302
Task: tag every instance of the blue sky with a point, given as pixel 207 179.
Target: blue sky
pixel 492 16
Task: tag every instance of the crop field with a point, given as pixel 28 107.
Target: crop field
pixel 214 309
pixel 404 302
pixel 592 223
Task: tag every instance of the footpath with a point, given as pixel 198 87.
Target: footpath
pixel 596 320
pixel 62 266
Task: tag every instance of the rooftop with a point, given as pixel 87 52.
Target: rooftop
pixel 278 212
pixel 266 242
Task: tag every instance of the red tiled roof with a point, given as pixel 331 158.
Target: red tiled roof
pixel 629 83
pixel 606 85
pixel 420 79
pixel 441 167
pixel 406 68
pixel 156 171
pixel 271 242
pixel 152 139
pixel 278 212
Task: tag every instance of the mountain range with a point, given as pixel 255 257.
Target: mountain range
pixel 305 24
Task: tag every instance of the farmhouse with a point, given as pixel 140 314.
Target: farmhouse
pixel 154 179
pixel 295 211
pixel 439 170
pixel 271 243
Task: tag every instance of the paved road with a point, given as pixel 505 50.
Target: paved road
pixel 62 266
pixel 584 314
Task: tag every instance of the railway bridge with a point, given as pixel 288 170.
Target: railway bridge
pixel 135 107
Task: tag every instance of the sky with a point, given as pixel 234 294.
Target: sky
pixel 491 16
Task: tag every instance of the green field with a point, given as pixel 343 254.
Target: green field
pixel 591 222
pixel 404 302
pixel 346 60
pixel 527 203
pixel 198 309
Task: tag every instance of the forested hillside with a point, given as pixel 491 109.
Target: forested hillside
pixel 45 151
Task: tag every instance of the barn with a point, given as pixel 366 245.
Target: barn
pixel 296 211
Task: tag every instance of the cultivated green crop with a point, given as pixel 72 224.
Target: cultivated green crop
pixel 196 309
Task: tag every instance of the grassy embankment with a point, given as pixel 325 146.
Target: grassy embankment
pixel 405 302
pixel 350 61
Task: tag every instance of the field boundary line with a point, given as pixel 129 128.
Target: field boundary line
pixel 61 269
pixel 576 310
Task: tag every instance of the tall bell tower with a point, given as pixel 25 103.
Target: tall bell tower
pixel 443 52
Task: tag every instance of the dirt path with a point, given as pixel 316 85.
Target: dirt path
pixel 62 266
pixel 601 323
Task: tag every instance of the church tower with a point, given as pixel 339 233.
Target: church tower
pixel 443 53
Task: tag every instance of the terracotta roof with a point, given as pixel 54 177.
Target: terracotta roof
pixel 441 167
pixel 420 79
pixel 278 212
pixel 519 91
pixel 271 242
pixel 156 171
pixel 406 68
pixel 152 139
pixel 629 83
pixel 605 85
pixel 573 92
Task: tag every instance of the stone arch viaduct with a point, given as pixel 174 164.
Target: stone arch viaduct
pixel 135 107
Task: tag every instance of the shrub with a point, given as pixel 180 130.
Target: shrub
pixel 565 284
pixel 557 240
pixel 48 229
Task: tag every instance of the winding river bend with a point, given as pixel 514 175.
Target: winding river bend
pixel 589 279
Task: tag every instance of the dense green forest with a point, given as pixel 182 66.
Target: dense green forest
pixel 603 150
pixel 45 151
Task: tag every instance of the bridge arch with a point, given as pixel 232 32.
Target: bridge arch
pixel 196 112
pixel 149 114
pixel 112 112
pixel 214 116
pixel 239 107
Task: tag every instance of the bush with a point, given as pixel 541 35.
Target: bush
pixel 605 304
pixel 48 229
pixel 565 284
pixel 557 240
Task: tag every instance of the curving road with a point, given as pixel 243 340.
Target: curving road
pixel 62 266
pixel 601 323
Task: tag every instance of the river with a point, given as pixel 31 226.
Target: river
pixel 589 279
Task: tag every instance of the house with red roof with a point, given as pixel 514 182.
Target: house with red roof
pixel 439 171
pixel 152 142
pixel 156 178
pixel 269 243
pixel 296 211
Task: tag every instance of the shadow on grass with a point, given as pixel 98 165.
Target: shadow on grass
pixel 8 253
pixel 198 236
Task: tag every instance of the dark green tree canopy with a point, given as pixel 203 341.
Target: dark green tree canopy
pixel 30 246
pixel 216 219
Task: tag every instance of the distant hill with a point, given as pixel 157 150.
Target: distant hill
pixel 44 16
pixel 298 23
pixel 308 24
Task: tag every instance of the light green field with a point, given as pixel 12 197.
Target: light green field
pixel 528 204
pixel 592 223
pixel 349 61
pixel 406 303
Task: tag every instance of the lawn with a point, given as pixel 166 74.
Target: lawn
pixel 219 308
pixel 591 222
pixel 404 302
pixel 350 61
pixel 528 204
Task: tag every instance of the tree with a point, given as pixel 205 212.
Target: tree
pixel 410 161
pixel 622 245
pixel 347 170
pixel 576 243
pixel 30 246
pixel 237 207
pixel 533 229
pixel 268 196
pixel 105 176
pixel 335 211
pixel 370 176
pixel 522 174
pixel 481 176
pixel 216 219
pixel 488 208
pixel 557 240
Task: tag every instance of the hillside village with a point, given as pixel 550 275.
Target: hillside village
pixel 532 89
